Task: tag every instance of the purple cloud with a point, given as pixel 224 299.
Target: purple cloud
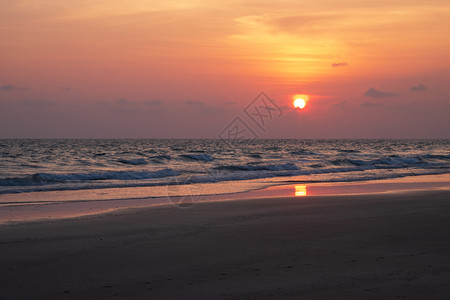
pixel 378 94
pixel 418 88
pixel 341 64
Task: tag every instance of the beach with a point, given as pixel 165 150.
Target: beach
pixel 373 246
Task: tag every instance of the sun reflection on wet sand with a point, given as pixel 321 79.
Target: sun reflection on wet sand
pixel 300 190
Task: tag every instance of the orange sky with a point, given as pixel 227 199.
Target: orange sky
pixel 372 69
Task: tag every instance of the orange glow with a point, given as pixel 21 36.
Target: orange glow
pixel 300 191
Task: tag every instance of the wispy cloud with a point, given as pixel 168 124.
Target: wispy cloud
pixel 374 93
pixel 340 105
pixel 155 102
pixel 203 107
pixel 418 88
pixel 340 64
pixel 10 87
pixel 124 101
pixel 301 22
pixel 370 105
pixel 37 103
pixel 194 103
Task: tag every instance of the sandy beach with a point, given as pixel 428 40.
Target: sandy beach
pixel 380 246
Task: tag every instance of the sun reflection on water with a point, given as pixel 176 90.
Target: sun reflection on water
pixel 300 190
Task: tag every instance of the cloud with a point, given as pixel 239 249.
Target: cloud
pixel 10 87
pixel 203 107
pixel 36 103
pixel 341 64
pixel 298 23
pixel 124 101
pixel 340 105
pixel 67 89
pixel 370 104
pixel 379 94
pixel 120 102
pixel 194 103
pixel 289 109
pixel 155 102
pixel 418 88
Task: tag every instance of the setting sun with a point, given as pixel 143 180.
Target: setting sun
pixel 299 103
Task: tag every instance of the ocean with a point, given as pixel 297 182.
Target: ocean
pixel 63 165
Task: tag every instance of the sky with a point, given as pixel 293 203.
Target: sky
pixel 196 68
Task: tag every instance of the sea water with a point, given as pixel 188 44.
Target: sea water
pixel 93 169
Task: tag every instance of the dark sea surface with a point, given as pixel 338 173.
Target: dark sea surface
pixel 67 165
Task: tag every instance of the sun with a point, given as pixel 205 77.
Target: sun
pixel 299 103
pixel 300 100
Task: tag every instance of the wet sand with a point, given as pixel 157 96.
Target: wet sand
pixel 380 246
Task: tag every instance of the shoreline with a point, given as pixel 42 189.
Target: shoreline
pixel 16 214
pixel 377 246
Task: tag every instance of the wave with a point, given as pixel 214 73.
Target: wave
pixel 281 167
pixel 46 178
pixel 348 150
pixel 393 161
pixel 347 162
pixel 134 162
pixel 234 176
pixel 436 156
pixel 302 152
pixel 355 174
pixel 197 157
pixel 161 157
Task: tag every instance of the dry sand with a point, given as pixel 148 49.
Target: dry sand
pixel 383 246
